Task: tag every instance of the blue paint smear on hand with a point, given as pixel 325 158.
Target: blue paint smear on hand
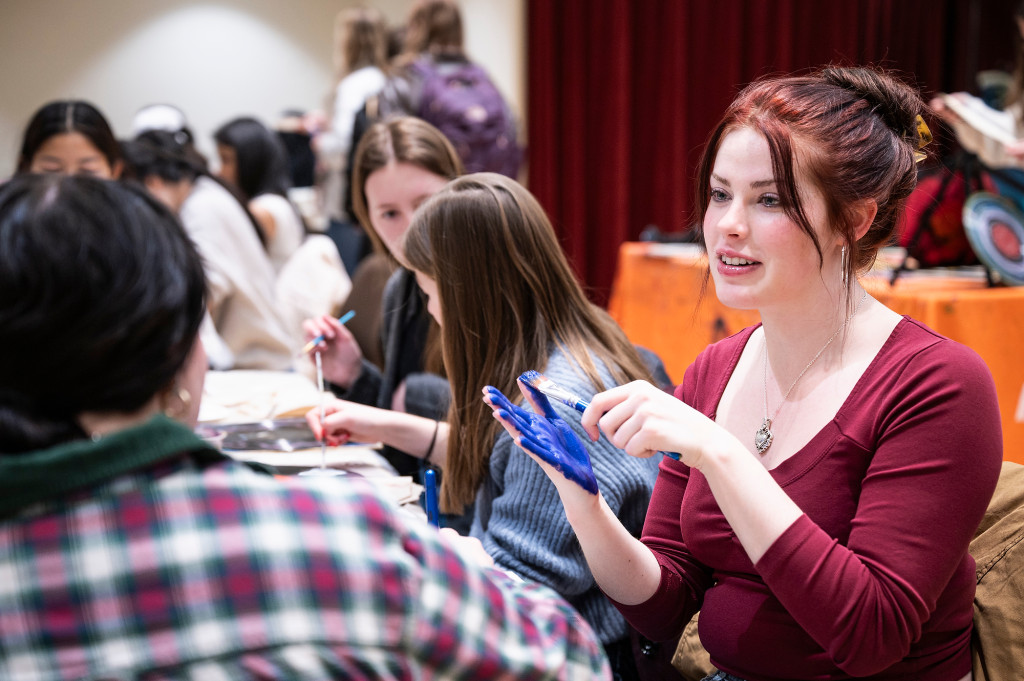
pixel 549 437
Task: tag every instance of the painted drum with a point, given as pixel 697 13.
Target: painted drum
pixel 995 229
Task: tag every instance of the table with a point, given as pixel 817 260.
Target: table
pixel 273 397
pixel 656 299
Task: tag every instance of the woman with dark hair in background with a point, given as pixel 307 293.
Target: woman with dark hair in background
pixel 156 160
pixel 253 159
pixel 132 549
pixel 70 137
pixel 834 460
pixel 247 328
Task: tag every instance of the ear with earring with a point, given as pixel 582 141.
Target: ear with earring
pixel 181 400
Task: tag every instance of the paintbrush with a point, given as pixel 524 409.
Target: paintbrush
pixel 319 339
pixel 556 392
pixel 553 390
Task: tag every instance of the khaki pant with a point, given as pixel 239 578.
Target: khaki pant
pixel 998 549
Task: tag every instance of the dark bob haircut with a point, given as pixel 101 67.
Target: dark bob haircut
pixel 101 297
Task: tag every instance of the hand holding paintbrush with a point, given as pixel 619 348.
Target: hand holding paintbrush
pixel 556 392
pixel 546 436
pixel 341 355
pixel 322 469
pixel 320 338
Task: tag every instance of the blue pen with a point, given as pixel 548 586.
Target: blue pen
pixel 319 339
pixel 557 392
pixel 430 483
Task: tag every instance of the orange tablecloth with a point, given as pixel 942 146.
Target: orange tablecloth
pixel 657 289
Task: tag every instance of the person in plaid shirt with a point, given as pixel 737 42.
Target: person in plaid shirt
pixel 130 549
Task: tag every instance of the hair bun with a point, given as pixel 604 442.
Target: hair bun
pixel 897 103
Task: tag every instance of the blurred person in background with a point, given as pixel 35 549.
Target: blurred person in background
pixel 254 161
pixel 436 80
pixel 994 135
pixel 70 137
pixel 360 56
pixel 246 327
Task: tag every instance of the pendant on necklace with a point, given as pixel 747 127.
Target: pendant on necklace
pixel 763 436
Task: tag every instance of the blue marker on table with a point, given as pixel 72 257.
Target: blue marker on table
pixel 319 339
pixel 430 483
pixel 560 394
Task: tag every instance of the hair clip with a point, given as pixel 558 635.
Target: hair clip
pixel 924 137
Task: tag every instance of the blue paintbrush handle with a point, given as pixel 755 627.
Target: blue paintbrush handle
pixel 319 339
pixel 579 405
pixel 341 320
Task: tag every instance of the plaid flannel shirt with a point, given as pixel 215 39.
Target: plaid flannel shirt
pixel 198 567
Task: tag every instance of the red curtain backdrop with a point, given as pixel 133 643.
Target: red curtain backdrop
pixel 622 93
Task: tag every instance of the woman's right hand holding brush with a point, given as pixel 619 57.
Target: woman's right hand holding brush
pixel 643 420
pixel 346 421
pixel 339 351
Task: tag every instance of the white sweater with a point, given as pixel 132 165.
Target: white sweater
pixel 240 281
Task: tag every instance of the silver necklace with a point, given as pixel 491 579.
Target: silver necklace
pixel 763 436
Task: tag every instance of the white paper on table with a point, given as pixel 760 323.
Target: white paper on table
pixel 365 460
pixel 241 396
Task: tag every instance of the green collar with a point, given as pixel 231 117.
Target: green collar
pixel 34 477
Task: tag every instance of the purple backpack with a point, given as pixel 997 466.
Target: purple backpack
pixel 459 99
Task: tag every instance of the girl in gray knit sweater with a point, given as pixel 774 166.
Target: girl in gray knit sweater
pixel 488 261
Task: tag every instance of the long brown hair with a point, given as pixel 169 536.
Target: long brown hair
pixel 360 40
pixel 511 298
pixel 434 26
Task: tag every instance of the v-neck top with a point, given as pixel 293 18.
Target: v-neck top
pixel 874 579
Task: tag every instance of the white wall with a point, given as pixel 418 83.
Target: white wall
pixel 215 59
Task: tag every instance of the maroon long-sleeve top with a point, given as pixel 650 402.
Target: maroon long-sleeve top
pixel 874 579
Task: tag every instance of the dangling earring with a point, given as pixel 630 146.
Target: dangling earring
pixel 846 278
pixel 184 402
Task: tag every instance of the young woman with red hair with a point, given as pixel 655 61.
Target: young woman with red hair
pixel 835 459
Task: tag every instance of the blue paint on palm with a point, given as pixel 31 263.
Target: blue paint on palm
pixel 548 436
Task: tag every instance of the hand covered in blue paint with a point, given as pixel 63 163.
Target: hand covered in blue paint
pixel 544 435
